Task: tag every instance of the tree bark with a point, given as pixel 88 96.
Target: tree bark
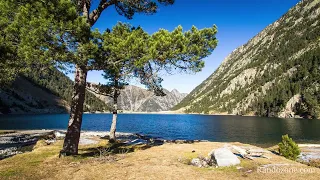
pixel 70 146
pixel 112 138
pixel 71 141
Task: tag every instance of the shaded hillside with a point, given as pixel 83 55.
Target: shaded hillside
pixel 276 73
pixel 136 99
pixel 43 91
pixel 25 97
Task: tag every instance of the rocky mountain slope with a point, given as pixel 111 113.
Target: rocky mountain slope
pixel 43 91
pixel 136 99
pixel 276 73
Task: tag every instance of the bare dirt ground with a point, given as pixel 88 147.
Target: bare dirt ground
pixel 167 161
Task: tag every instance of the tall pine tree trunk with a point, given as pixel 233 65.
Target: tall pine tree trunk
pixel 70 146
pixel 114 114
pixel 71 141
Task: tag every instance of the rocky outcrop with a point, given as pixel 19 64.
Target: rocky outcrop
pixel 290 108
pixel 136 99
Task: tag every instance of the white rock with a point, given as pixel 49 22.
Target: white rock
pixel 240 150
pixel 59 134
pixel 86 141
pixel 224 157
pixel 196 162
pixel 137 142
pixel 200 162
pixel 50 141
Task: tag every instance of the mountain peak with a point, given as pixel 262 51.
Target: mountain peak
pixel 175 91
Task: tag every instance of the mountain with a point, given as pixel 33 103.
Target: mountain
pixel 43 91
pixel 136 99
pixel 50 91
pixel 276 73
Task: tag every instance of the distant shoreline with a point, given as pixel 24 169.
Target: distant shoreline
pixel 156 113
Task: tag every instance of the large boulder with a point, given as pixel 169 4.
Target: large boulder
pixel 224 157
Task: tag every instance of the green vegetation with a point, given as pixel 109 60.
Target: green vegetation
pixel 39 35
pixel 288 148
pixel 54 82
pixel 288 59
pixel 131 52
pixel 60 85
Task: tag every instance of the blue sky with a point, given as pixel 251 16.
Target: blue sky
pixel 237 21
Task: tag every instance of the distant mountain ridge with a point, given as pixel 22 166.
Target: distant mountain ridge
pixel 136 99
pixel 276 73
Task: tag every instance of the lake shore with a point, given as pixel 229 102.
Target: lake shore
pixel 142 161
pixel 11 141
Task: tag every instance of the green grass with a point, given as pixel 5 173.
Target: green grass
pixel 187 157
pixel 227 169
pixel 27 165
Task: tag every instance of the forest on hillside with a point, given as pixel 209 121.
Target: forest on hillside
pixel 295 48
pixel 59 84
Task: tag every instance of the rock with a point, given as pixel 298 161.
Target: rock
pixel 249 171
pixel 196 162
pixel 202 162
pixel 137 142
pixel 59 134
pixel 136 99
pixel 86 141
pixel 209 161
pixel 211 154
pixel 289 110
pixel 50 141
pixel 199 162
pixel 242 152
pixel 224 157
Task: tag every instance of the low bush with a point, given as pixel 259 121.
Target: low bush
pixel 288 148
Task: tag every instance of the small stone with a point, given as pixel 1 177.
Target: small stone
pixel 196 162
pixel 50 141
pixel 193 151
pixel 249 171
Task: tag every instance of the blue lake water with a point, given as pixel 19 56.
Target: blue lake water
pixel 253 130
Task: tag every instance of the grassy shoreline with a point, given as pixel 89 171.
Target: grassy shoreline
pixel 167 161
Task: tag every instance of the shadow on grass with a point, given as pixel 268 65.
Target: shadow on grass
pixel 117 148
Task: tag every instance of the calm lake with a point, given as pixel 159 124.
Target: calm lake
pixel 253 130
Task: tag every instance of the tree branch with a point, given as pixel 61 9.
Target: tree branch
pixel 95 14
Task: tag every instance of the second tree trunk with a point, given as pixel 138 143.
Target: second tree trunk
pixel 114 113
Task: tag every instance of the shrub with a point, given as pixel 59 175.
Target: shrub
pixel 288 148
